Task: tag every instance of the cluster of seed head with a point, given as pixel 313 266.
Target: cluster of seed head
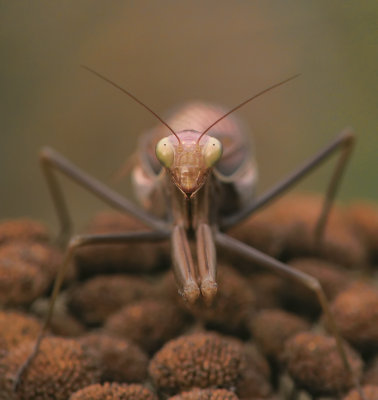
pixel 198 360
pixel 315 364
pixel 120 360
pixel 22 230
pixel 136 320
pixel 149 323
pixel 98 297
pixel 16 328
pixel 206 394
pixel 60 368
pixel 114 391
pixel 118 258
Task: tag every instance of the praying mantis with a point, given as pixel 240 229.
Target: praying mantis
pixel 195 178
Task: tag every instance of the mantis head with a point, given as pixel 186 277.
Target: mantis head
pixel 188 157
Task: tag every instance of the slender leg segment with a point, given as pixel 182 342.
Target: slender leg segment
pixel 206 255
pixel 254 255
pixel 345 143
pixel 183 265
pixel 51 160
pixel 75 243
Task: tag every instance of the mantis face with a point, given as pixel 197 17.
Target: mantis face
pixel 188 161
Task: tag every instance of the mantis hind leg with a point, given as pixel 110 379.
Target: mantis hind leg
pixel 344 142
pixel 75 243
pixel 51 160
pixel 254 255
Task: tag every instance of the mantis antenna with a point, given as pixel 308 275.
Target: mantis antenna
pixel 247 101
pixel 104 78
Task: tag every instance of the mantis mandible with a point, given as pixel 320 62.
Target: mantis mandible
pixel 194 184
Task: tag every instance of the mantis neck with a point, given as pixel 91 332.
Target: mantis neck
pixel 190 211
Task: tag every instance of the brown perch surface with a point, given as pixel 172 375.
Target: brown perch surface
pixel 254 306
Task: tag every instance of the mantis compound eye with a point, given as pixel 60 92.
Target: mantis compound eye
pixel 212 151
pixel 165 152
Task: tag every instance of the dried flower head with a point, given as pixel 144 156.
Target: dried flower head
pixel 371 374
pixel 149 323
pixel 340 244
pixel 21 281
pixel 120 360
pixel 331 277
pixel 97 298
pixel 315 364
pixel 60 368
pixel 62 322
pixel 42 254
pixel 199 360
pixel 370 393
pixel 255 381
pixel 356 314
pixel 272 327
pixel 264 231
pixel 128 257
pixel 206 394
pixel 268 288
pixel 114 391
pixel 363 217
pixel 16 328
pixel 22 229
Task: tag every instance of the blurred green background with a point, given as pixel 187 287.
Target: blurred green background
pixel 167 52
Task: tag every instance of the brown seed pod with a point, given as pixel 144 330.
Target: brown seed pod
pixel 255 377
pixel 109 258
pixel 16 328
pixel 340 244
pixel 371 374
pixel 315 364
pixel 199 360
pixel 21 281
pixel 301 299
pixel 22 229
pixel 370 393
pixel 272 327
pixel 66 325
pixel 42 254
pixel 149 323
pixel 97 298
pixel 60 368
pixel 363 217
pixel 206 394
pixel 356 314
pixel 268 289
pixel 120 360
pixel 62 323
pixel 264 231
pixel 114 391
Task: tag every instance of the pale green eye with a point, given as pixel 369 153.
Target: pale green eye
pixel 212 151
pixel 165 152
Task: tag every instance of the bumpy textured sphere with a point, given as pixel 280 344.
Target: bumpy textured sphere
pixel 60 368
pixel 114 391
pixel 198 360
